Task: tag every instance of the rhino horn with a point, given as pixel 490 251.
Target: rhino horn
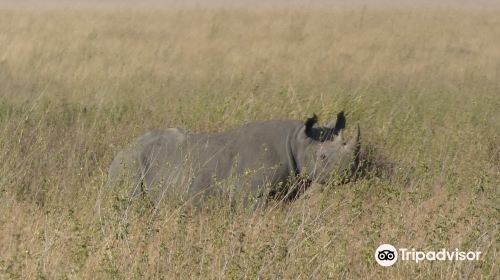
pixel 354 142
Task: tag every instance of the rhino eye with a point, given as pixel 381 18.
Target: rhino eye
pixel 322 156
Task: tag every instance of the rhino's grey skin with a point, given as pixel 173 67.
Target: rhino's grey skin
pixel 261 158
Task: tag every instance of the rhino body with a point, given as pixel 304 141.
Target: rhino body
pixel 259 159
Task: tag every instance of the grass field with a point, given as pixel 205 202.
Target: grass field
pixel 77 85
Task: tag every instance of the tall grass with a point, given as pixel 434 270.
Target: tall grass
pixel 77 85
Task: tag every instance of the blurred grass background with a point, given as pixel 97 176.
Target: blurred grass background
pixel 77 85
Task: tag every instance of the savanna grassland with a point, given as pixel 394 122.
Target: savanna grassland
pixel 77 85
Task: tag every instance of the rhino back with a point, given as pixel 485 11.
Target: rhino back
pixel 256 154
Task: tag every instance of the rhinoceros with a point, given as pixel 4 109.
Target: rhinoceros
pixel 260 159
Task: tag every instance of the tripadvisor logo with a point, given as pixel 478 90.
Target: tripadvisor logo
pixel 387 255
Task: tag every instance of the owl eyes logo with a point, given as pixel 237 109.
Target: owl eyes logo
pixel 386 255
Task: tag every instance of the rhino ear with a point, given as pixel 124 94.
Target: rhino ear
pixel 337 125
pixel 310 123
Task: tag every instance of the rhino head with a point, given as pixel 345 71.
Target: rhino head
pixel 324 154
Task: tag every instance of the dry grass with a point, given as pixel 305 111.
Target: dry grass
pixel 77 85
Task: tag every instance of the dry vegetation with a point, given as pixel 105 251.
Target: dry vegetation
pixel 77 85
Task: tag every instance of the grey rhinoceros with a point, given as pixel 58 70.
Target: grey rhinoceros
pixel 261 159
